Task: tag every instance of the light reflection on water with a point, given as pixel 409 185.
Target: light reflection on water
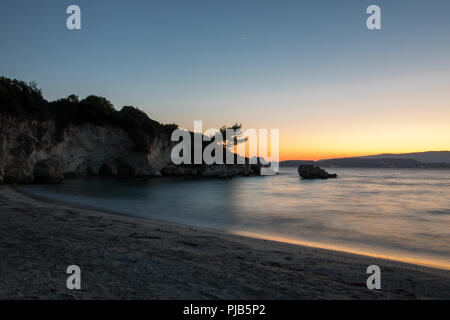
pixel 399 213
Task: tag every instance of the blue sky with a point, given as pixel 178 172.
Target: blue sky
pixel 263 63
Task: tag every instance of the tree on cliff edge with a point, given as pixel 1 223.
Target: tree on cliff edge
pixel 236 137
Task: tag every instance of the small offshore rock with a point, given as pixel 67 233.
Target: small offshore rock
pixel 310 171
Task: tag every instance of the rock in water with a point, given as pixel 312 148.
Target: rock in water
pixel 310 171
pixel 48 171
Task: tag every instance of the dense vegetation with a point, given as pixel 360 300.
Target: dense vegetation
pixel 25 100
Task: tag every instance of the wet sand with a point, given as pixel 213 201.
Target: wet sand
pixel 129 258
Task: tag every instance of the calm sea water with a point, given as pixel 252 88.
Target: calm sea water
pixel 396 213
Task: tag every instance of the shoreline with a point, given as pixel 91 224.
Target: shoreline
pixel 123 257
pixel 251 235
pixel 421 263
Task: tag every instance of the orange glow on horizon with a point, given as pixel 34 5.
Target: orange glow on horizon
pixel 293 155
pixel 313 156
pixel 316 156
pixel 394 127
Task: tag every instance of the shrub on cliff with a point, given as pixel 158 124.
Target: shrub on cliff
pixel 24 100
pixel 21 99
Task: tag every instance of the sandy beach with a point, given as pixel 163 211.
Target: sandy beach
pixel 128 258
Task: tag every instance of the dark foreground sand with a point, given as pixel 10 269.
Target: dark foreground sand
pixel 128 258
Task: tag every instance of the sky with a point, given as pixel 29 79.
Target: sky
pixel 311 69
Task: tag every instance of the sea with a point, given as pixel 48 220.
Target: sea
pixel 399 214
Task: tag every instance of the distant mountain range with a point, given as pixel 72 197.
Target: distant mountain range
pixel 424 157
pixel 431 159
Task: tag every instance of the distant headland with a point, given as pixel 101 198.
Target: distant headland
pixel 421 160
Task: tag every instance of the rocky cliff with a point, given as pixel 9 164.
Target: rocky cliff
pixel 26 146
pixel 43 142
pixel 80 150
